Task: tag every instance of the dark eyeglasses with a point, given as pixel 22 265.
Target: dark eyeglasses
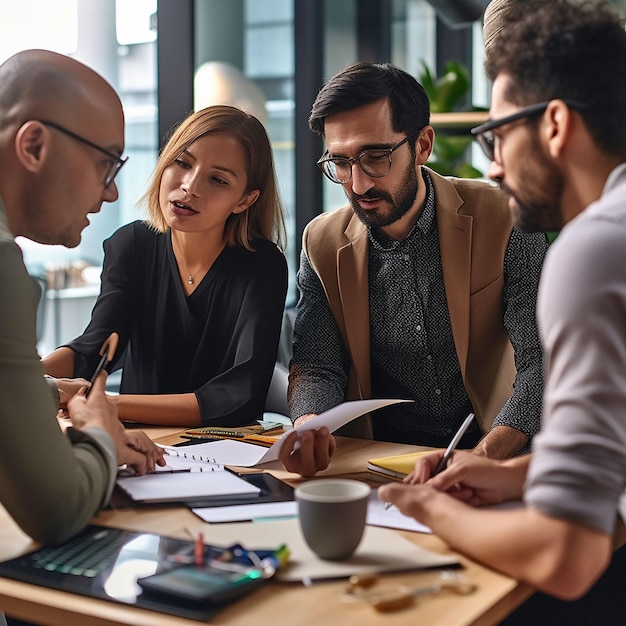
pixel 116 161
pixel 375 163
pixel 484 133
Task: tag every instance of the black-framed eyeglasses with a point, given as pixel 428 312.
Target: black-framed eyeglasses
pixel 375 162
pixel 487 139
pixel 116 161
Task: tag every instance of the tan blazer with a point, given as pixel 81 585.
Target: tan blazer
pixel 474 224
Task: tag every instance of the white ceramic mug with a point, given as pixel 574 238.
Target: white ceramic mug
pixel 332 515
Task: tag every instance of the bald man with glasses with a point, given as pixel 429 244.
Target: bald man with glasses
pixel 61 141
pixel 419 289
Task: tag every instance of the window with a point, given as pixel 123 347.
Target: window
pixel 117 39
pixel 257 38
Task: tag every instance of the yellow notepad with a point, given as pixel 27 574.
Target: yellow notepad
pixel 397 466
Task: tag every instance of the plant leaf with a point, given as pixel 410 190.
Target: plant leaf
pixel 453 86
pixel 449 148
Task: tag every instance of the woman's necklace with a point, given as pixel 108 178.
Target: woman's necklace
pixel 198 275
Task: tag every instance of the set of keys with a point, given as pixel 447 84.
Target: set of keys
pixel 361 588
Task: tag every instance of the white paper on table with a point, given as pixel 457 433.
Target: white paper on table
pixel 247 512
pixel 392 517
pixel 376 514
pixel 241 454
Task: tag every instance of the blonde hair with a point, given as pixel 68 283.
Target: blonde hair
pixel 264 219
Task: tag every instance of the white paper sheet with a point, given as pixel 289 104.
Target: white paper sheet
pixel 391 518
pixel 376 514
pixel 247 512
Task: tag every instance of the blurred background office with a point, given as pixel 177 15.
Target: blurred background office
pixel 167 57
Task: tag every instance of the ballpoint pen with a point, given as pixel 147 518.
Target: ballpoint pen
pixel 452 445
pixel 443 463
pixel 107 352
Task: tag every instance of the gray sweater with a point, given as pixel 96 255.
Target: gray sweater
pixel 578 470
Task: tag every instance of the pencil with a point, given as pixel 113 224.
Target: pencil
pixel 198 550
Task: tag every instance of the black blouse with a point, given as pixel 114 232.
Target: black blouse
pixel 220 342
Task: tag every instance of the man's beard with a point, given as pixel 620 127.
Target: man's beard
pixel 538 206
pixel 399 205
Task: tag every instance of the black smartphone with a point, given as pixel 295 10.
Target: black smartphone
pixel 200 584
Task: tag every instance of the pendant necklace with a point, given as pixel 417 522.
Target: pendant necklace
pixel 190 279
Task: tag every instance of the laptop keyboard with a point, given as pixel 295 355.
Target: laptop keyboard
pixel 85 555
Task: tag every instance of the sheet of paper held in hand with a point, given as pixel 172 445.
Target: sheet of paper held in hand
pixel 240 454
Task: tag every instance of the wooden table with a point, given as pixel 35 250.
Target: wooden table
pixel 290 603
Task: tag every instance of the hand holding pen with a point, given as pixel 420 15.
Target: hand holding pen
pixel 443 462
pixel 107 353
pixel 453 445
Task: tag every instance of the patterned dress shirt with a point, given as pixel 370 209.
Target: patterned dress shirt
pixel 411 344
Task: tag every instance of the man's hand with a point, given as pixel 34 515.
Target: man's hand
pixel 501 442
pixel 411 500
pixel 307 452
pixel 424 468
pixel 138 440
pixel 69 387
pixel 472 478
pixel 134 448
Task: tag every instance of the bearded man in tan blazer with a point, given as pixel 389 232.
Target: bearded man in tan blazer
pixel 419 289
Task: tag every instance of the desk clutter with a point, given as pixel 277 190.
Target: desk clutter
pixel 381 550
pixel 386 598
pixel 262 433
pixel 178 577
pixel 194 580
pixel 191 579
pixel 199 470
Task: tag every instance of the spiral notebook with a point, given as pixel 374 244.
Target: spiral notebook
pixel 180 486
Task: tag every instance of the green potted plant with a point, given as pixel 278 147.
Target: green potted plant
pixel 448 93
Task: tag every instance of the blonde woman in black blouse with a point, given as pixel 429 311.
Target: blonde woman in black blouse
pixel 197 291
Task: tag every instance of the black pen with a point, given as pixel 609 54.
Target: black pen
pixel 107 351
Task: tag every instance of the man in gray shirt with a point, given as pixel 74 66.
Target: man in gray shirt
pixel 557 142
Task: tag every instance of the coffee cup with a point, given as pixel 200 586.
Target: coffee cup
pixel 332 515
